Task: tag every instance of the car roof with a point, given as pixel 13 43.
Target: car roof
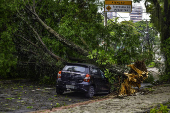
pixel 82 64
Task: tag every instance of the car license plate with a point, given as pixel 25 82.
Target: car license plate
pixel 70 87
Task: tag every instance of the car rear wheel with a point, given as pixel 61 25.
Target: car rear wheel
pixel 59 91
pixel 90 92
pixel 109 91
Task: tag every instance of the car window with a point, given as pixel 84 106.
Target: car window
pixel 74 68
pixel 97 72
pixel 93 71
pixel 102 74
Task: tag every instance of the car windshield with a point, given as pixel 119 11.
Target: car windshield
pixel 74 68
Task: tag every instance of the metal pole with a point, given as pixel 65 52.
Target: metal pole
pixel 147 36
pixel 105 18
pixel 147 33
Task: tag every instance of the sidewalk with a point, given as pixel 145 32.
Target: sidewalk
pixel 130 104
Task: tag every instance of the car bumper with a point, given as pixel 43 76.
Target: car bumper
pixel 83 86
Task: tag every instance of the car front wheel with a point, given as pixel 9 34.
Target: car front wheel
pixel 90 92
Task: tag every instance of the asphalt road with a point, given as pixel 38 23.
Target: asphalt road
pixel 24 97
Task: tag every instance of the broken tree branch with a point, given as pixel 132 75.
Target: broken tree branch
pixel 29 41
pixel 59 37
pixel 45 47
pixel 42 43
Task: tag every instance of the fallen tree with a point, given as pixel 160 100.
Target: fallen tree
pixel 137 74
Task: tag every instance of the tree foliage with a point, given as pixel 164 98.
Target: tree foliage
pixel 50 33
pixel 7 48
pixel 160 16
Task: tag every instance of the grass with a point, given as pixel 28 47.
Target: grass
pixel 150 89
pixel 19 98
pixel 150 79
pixel 10 98
pixel 50 99
pixel 64 104
pixel 31 86
pixel 161 109
pixel 29 107
pixel 57 105
pixel 152 64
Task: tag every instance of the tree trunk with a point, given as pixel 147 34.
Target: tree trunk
pixel 165 36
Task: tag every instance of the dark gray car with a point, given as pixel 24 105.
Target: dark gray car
pixel 82 77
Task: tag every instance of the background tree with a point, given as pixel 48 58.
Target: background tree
pixel 148 36
pixel 8 59
pixel 160 17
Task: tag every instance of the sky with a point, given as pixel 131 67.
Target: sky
pixel 125 16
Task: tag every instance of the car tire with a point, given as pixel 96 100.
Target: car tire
pixel 109 91
pixel 59 91
pixel 90 92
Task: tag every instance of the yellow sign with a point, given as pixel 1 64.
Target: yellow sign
pixel 108 8
pixel 118 8
pixel 118 2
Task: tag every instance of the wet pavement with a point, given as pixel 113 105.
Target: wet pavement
pixel 21 97
pixel 142 102
pixel 16 97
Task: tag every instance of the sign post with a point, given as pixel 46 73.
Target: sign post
pixel 105 18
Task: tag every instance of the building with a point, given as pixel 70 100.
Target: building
pixel 136 14
pixel 111 15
